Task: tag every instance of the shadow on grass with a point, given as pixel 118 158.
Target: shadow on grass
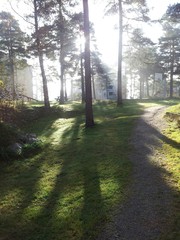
pixel 68 191
pixel 150 211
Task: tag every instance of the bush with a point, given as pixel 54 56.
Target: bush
pixel 12 136
pixel 8 134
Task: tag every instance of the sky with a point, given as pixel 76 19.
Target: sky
pixel 104 26
pixel 106 35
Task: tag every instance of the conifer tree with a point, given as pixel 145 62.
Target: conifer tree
pixel 136 8
pixel 88 91
pixel 12 42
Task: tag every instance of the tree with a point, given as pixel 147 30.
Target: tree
pixel 100 73
pixel 169 43
pixel 137 9
pixel 40 52
pixel 173 12
pixel 63 22
pixel 119 80
pixel 141 58
pixel 12 42
pixel 169 50
pixel 67 31
pixel 88 105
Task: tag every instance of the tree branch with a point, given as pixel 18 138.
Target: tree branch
pixel 19 14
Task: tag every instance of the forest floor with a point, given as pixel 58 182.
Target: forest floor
pixel 147 213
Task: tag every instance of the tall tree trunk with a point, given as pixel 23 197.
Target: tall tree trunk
pixel 131 85
pixel 65 90
pixel 12 75
pixel 119 78
pixel 140 88
pixel 87 63
pixel 172 69
pixel 134 88
pixel 61 52
pixel 107 95
pixel 147 86
pixel 41 60
pixel 62 98
pixel 82 75
pixel 93 86
pixel 11 60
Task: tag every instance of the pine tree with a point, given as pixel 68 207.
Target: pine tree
pixel 125 9
pixel 169 51
pixel 140 58
pixel 89 109
pixel 12 42
pixel 39 49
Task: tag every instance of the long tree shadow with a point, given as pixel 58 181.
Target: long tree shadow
pixel 49 220
pixel 149 209
pixel 75 200
pixel 19 181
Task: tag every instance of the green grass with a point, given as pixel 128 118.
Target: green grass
pixel 152 102
pixel 172 166
pixel 69 189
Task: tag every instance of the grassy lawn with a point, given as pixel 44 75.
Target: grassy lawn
pixel 68 190
pixel 172 165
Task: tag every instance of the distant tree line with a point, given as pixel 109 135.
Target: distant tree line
pixel 57 29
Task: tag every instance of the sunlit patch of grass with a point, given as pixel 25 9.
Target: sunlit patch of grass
pixel 173 153
pixel 175 109
pixel 69 189
pixel 152 102
pixel 172 165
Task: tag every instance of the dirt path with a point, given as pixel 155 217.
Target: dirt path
pixel 145 215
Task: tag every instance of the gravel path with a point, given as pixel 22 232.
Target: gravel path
pixel 145 215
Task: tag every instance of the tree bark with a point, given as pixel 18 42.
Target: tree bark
pixel 65 90
pixel 11 60
pixel 93 86
pixel 82 76
pixel 147 86
pixel 87 63
pixel 41 60
pixel 119 78
pixel 61 52
pixel 62 98
pixel 140 88
pixel 172 69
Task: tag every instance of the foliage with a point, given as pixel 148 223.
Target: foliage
pixel 173 12
pixel 12 53
pixel 140 58
pixel 169 53
pixel 11 36
pixel 135 10
pixel 8 134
